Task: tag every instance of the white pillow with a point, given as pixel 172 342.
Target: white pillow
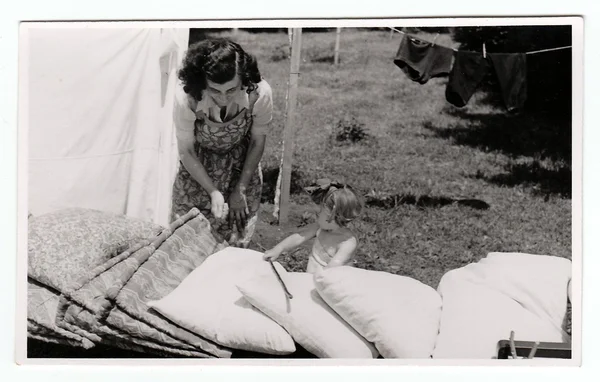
pixel 309 320
pixel 398 314
pixel 483 302
pixel 208 303
pixel 538 282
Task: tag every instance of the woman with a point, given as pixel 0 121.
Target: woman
pixel 223 110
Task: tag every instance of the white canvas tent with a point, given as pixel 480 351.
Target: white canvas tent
pixel 100 123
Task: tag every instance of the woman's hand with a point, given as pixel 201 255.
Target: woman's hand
pixel 217 202
pixel 271 254
pixel 238 208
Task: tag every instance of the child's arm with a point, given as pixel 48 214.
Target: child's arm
pixel 292 242
pixel 344 253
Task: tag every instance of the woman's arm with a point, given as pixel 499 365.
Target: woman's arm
pixel 184 118
pixel 192 164
pixel 344 253
pixel 292 241
pixel 262 112
pixel 238 209
pixel 253 157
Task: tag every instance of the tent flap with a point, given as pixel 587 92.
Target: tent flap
pixel 101 131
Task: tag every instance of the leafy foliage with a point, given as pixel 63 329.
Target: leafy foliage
pixel 350 130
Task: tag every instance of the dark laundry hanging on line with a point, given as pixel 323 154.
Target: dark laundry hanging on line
pixel 470 68
pixel 511 70
pixel 421 60
pixel 468 71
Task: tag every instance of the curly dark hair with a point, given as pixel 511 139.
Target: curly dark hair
pixel 217 60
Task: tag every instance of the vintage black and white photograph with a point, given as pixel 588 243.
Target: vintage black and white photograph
pixel 362 190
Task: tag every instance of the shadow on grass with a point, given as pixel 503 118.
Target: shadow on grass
pixel 515 135
pixel 422 201
pixel 545 182
pixel 539 136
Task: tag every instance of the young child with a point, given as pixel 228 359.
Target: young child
pixel 334 243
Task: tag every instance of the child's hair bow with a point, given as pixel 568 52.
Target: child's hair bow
pixel 321 187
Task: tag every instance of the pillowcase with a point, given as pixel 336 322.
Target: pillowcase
pixel 483 302
pixel 310 321
pixel 64 245
pixel 538 282
pixel 208 303
pixel 398 314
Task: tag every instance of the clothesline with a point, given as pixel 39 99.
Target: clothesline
pixel 433 43
pixel 548 50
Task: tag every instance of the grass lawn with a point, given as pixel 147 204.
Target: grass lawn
pixel 419 147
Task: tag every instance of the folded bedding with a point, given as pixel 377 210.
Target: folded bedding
pixel 99 295
pixel 64 245
pixel 43 334
pixel 52 339
pixel 42 306
pixel 181 253
pixel 86 304
pixel 114 337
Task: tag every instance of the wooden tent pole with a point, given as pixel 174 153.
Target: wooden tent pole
pixel 290 126
pixel 336 56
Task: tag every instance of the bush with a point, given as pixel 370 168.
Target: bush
pixel 350 130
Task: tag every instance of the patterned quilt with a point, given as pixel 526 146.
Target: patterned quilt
pixel 100 296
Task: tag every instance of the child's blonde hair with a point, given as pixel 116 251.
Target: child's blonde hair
pixel 344 203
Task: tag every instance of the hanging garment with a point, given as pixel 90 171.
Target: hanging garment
pixel 467 73
pixel 511 70
pixel 549 78
pixel 470 68
pixel 422 60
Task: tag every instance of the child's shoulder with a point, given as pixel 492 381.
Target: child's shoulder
pixel 346 234
pixel 310 229
pixel 348 231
